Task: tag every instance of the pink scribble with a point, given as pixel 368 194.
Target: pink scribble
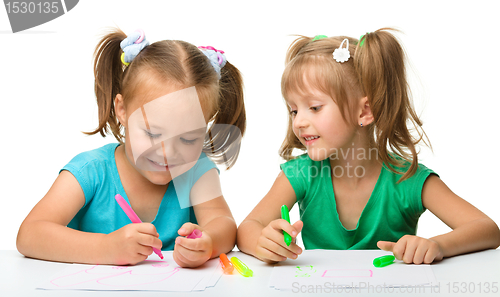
pixel 159 265
pixel 348 273
pixel 118 276
pixel 131 279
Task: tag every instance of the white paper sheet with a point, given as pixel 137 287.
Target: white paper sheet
pixel 329 269
pixel 153 274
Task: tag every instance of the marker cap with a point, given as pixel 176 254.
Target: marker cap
pixel 383 261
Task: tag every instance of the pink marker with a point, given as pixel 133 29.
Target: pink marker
pixel 195 234
pixel 133 217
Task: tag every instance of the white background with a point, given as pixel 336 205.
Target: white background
pixel 46 88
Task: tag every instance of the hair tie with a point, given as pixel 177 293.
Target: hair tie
pixel 362 40
pixel 318 37
pixel 342 54
pixel 215 56
pixel 132 46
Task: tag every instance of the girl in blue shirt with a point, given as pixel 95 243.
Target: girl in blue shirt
pixel 173 108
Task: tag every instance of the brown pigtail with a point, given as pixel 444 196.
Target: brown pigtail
pixel 380 64
pixel 108 72
pixel 229 122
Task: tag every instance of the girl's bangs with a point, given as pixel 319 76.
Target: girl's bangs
pixel 305 73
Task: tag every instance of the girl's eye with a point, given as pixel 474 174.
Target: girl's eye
pixel 316 108
pixel 293 113
pixel 151 135
pixel 188 141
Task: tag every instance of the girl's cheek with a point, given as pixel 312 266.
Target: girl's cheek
pixel 138 144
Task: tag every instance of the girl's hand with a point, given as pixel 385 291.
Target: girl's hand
pixel 190 252
pixel 271 246
pixel 132 243
pixel 413 249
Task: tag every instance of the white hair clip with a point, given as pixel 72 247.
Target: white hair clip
pixel 342 54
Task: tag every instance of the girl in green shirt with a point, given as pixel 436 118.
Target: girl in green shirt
pixel 359 186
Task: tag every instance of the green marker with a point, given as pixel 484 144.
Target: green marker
pixel 286 216
pixel 383 261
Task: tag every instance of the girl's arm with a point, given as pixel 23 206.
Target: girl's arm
pixel 472 229
pixel 261 233
pixel 44 234
pixel 214 220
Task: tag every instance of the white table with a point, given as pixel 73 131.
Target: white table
pixel 463 275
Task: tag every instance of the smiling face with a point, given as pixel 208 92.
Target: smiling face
pixel 164 131
pixel 166 134
pixel 318 123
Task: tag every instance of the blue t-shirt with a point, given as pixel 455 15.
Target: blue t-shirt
pixel 97 174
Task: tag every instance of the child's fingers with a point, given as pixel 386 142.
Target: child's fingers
pixel 386 245
pixel 146 228
pixel 194 244
pixel 187 228
pixel 144 250
pixel 409 252
pixel 431 255
pixel 281 225
pixel 420 252
pixel 179 258
pixel 137 258
pixel 298 226
pixel 189 256
pixel 278 238
pixel 149 240
pixel 187 243
pixel 397 248
pixel 267 255
pixel 278 248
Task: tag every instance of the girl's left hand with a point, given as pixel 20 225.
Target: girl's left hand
pixel 192 252
pixel 413 249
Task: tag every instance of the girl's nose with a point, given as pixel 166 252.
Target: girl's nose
pixel 300 122
pixel 167 149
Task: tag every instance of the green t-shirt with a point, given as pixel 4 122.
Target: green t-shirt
pixel 391 212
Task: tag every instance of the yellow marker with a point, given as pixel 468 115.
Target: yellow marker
pixel 241 267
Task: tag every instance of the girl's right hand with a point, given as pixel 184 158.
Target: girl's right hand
pixel 271 246
pixel 132 243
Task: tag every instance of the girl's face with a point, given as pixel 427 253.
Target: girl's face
pixel 318 123
pixel 164 136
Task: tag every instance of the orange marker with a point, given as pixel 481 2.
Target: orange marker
pixel 227 266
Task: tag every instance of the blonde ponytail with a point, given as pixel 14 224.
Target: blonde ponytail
pixel 380 64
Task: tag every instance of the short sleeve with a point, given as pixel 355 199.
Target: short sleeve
pixel 203 165
pixel 416 186
pixel 86 173
pixel 185 182
pixel 294 172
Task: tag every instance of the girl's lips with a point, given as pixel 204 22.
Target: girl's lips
pixel 310 139
pixel 160 166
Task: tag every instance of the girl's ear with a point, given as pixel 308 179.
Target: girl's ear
pixel 365 115
pixel 120 111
